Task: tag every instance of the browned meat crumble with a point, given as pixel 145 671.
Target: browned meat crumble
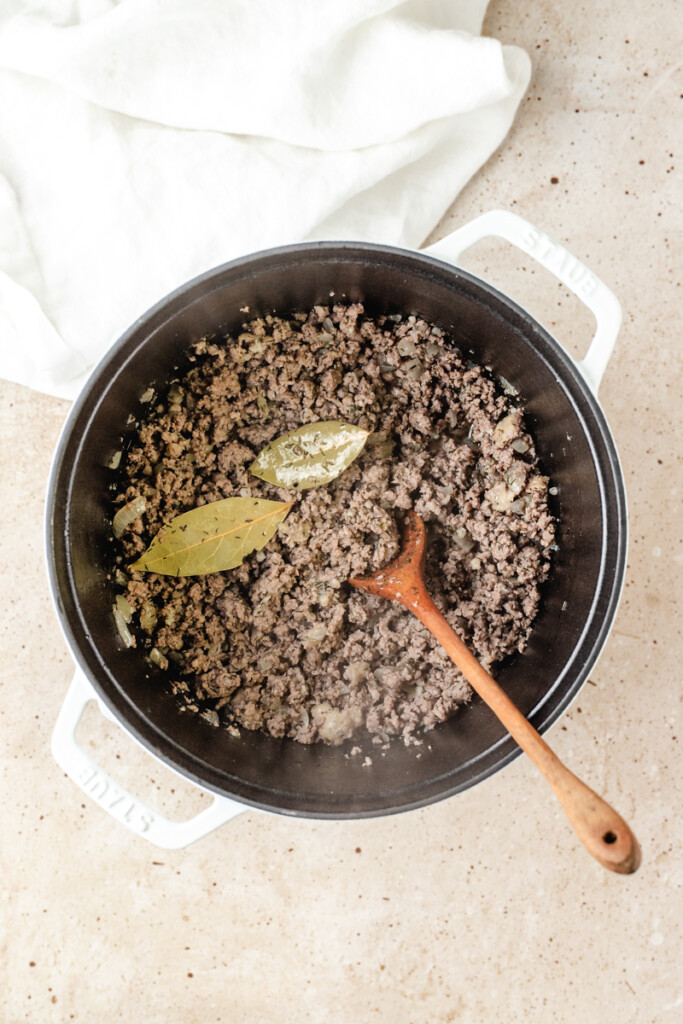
pixel 283 643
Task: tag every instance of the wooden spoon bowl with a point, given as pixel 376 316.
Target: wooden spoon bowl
pixel 602 831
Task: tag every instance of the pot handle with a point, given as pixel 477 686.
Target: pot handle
pixel 555 258
pixel 113 798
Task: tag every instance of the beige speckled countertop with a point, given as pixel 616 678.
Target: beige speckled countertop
pixel 482 908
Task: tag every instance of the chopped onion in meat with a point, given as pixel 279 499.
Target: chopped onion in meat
pixel 463 539
pixel 148 617
pixel 515 477
pixel 414 368
pixel 127 515
pixel 334 724
pixel 519 504
pixel 506 429
pixel 121 626
pixel 433 350
pixel 157 658
pixel 124 607
pixel 507 387
pixel 316 634
pixel 356 672
pixel 405 347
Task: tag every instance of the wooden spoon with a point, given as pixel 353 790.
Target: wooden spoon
pixel 601 830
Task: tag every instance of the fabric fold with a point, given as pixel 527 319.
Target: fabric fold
pixel 145 142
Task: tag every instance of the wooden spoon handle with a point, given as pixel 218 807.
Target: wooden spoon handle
pixel 603 832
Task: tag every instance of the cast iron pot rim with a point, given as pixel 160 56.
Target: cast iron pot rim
pixel 157 743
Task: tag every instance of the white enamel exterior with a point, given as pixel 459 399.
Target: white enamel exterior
pixel 129 810
pixel 555 258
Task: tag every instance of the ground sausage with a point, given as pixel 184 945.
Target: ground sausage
pixel 283 643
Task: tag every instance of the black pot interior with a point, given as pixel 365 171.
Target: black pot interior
pixel 579 599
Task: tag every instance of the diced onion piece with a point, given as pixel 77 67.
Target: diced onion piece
pixel 463 539
pixel 148 617
pixel 124 607
pixel 507 387
pixel 158 659
pixel 121 626
pixel 500 496
pixel 356 672
pixel 519 504
pixel 296 532
pixel 515 477
pixel 537 483
pixel 127 515
pixel 147 395
pixel 336 725
pixel 405 347
pixel 316 634
pixel 115 460
pixel 520 446
pixel 414 368
pixel 507 428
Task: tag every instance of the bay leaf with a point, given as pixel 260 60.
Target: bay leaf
pixel 213 537
pixel 310 456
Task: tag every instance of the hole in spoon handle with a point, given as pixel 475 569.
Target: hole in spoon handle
pixel 603 832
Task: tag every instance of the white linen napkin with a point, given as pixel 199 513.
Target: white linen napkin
pixel 145 141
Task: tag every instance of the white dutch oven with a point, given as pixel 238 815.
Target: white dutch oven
pixel 580 598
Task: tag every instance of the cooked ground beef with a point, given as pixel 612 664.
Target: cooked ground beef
pixel 283 643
